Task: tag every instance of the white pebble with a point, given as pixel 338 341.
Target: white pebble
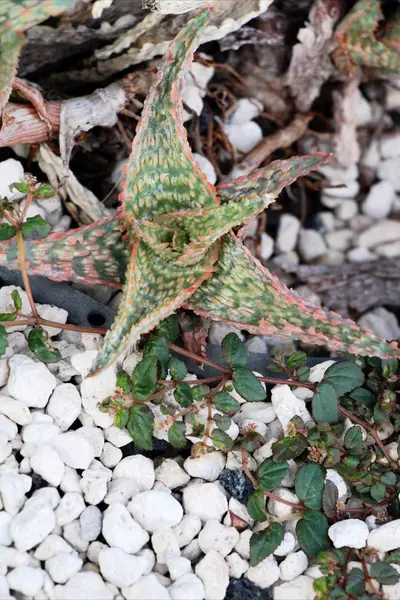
pixel 121 490
pixel 121 531
pixel 13 488
pixel 15 410
pixel 33 524
pixel 279 509
pixel 49 495
pixel 110 455
pixel 90 522
pixel 84 586
pixel 287 545
pixel 334 477
pixel 237 565
pixel 301 588
pixel 26 580
pixel 382 232
pixel 46 462
pixel 139 468
pixel 214 573
pixel 215 536
pixel 246 109
pixel 52 313
pixel 379 201
pixel 209 466
pixel 30 381
pixel 189 587
pixel 262 411
pixel 71 481
pixel 72 533
pixel 171 474
pixel 62 567
pixel 265 574
pixel 64 405
pixel 294 565
pixel 266 246
pixel 243 545
pixel 11 171
pixel 95 437
pixel 286 405
pixel 205 500
pixel 187 529
pixel 311 244
pixel 206 166
pixel 386 537
pixel 39 433
pixel 118 437
pixel 52 545
pixel 146 588
pixel 178 566
pixel 152 508
pixel 245 136
pixel 360 255
pixel 347 210
pixel 382 322
pixel 70 507
pixel 352 533
pixel 120 568
pixel 74 450
pixel 164 543
pixel 5 519
pixel 288 231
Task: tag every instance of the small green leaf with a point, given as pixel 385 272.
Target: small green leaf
pixel 176 435
pixel 353 437
pixel 144 378
pixel 321 584
pixel 177 368
pixel 124 382
pixel 226 403
pixel 378 491
pixel 363 396
pixel 121 418
pixel 17 300
pixel 338 594
pixel 233 351
pixel 330 497
pixel 355 582
pixel 7 316
pixel 21 186
pixel 38 344
pixel 325 405
pixel 289 447
pixel 44 191
pixel 309 485
pixel 312 532
pixel 297 360
pixel 140 426
pixel 157 347
pixel 248 386
pixel 183 394
pixel 35 228
pixel 348 473
pixel 3 340
pixel 256 506
pixel 221 440
pixel 265 543
pixel 303 373
pixel 384 573
pixel 271 473
pixel 223 422
pixel 170 328
pixel 344 376
pixel 393 557
pixel 7 231
pixel 389 478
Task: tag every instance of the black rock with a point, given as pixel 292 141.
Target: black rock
pixel 244 589
pixel 237 484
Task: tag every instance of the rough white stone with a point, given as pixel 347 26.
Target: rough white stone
pixel 262 411
pixel 146 588
pixel 118 437
pixel 72 533
pixel 278 509
pixel 90 521
pixel 64 405
pixel 288 231
pixel 208 466
pixel 187 529
pixel 30 381
pixel 346 210
pixel 178 566
pixel 164 543
pixel 70 482
pixel 26 580
pixel 311 244
pixel 5 447
pixel 121 490
pixel 244 136
pixel 13 488
pixel 360 255
pixel 287 405
pixel 110 455
pixel 39 432
pixel 85 585
pixel 95 437
pixel 215 536
pixel 49 495
pixel 121 531
pixel 206 166
pixel 390 250
pixel 237 565
pixel 379 201
pixel 52 545
pixel 171 474
pixel 95 389
pixel 120 568
pixel 381 322
pixel 46 462
pixel 70 507
pixel 139 468
pixel 8 427
pixel 339 240
pixel 63 566
pixel 246 109
pixel 192 551
pixel 52 313
pixel 33 524
pixel 352 533
pixel 265 573
pixel 5 519
pixel 386 537
pixel 294 565
pixel 15 410
pixel 287 545
pixel 74 450
pixel 383 232
pixel 340 483
pixel 266 246
pixel 300 588
pixel 214 573
pixel 189 587
pixel 243 545
pixel 219 330
pixel 205 500
pixel 11 171
pixel 152 508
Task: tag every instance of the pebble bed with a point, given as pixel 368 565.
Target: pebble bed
pixel 86 514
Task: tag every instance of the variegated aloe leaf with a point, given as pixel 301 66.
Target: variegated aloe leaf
pixel 16 16
pixel 357 45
